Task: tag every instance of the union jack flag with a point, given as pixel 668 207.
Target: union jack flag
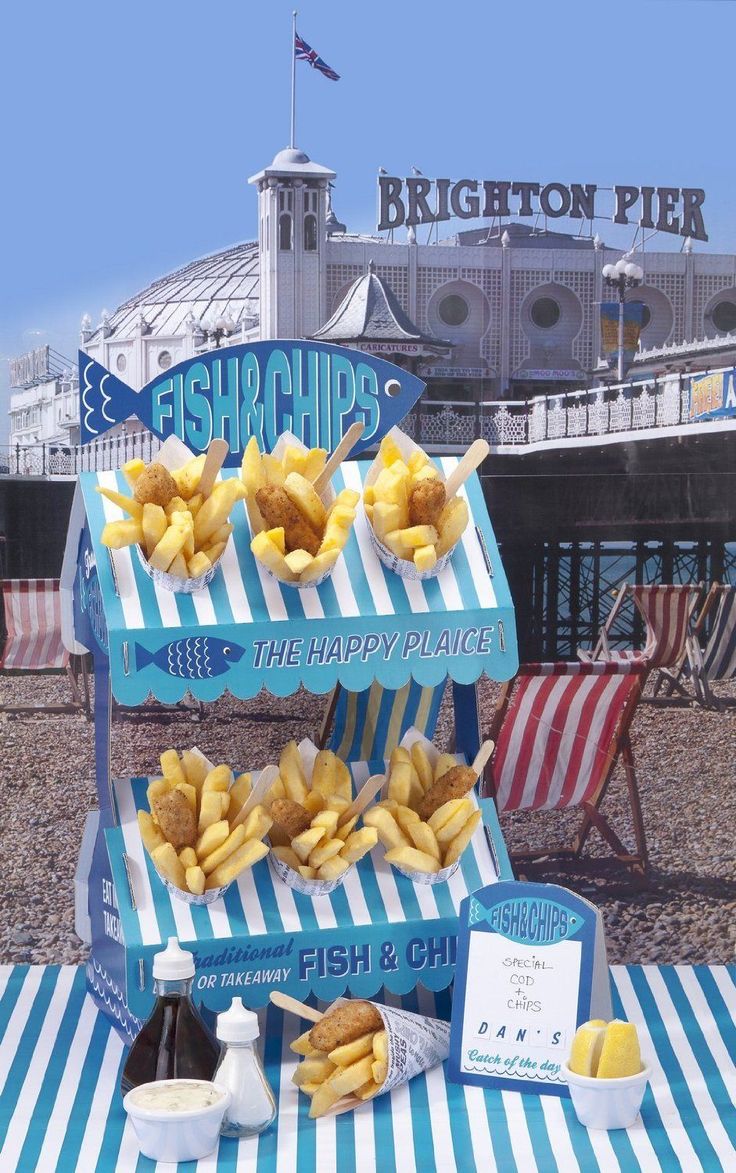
pixel 304 52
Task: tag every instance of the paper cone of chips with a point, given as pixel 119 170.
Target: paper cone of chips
pixel 366 1049
pixel 179 535
pixel 426 848
pixel 298 534
pixel 197 856
pixel 414 530
pixel 310 851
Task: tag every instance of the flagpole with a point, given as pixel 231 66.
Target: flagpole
pixel 293 78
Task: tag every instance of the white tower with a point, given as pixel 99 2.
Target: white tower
pixel 292 207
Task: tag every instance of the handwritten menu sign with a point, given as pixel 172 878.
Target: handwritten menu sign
pixel 531 966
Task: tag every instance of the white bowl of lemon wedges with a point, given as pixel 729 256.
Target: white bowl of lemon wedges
pixel 606 1075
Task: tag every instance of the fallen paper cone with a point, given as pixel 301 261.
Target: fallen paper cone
pixel 415 1044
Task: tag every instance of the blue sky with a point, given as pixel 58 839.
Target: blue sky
pixel 128 131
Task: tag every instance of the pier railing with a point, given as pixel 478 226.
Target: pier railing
pixel 449 425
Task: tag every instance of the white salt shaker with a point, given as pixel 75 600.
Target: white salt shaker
pixel 252 1107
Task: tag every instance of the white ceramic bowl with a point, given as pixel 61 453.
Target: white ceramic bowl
pixel 607 1103
pixel 177 1136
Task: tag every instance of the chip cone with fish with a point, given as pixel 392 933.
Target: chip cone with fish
pixel 178 515
pixel 298 532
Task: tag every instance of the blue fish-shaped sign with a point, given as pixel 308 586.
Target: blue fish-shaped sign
pixel 262 389
pixel 527 920
pixel 200 658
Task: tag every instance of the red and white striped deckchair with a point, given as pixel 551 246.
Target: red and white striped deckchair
pixel 559 730
pixel 667 611
pixel 33 643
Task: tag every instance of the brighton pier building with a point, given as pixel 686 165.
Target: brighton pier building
pixel 490 316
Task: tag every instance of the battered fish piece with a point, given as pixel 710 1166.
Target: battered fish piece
pixel 155 486
pixel 278 510
pixel 176 819
pixel 290 816
pixel 426 502
pixel 344 1024
pixel 454 784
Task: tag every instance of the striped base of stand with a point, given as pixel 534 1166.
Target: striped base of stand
pixel 60 1107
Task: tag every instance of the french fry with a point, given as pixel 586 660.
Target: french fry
pixel 187 477
pixel 305 843
pixel 155 524
pixel 215 510
pixel 224 851
pixel 198 564
pixel 269 554
pixel 359 843
pixel 399 784
pixel 128 504
pixel 168 864
pixel 194 767
pixel 195 880
pixel 302 1046
pixel 457 845
pixel 292 772
pixel 418 535
pixel 413 860
pixel 323 772
pixel 175 505
pixel 179 567
pixel 151 835
pixel 328 820
pixel 313 802
pixel 333 868
pixel 218 778
pixel 188 857
pixel 380 1046
pixel 239 794
pixel 346 1079
pixel 307 872
pixel 118 534
pixel 323 1099
pixel 324 850
pixel 421 764
pixel 314 1069
pixel 343 780
pixel 425 558
pixel 302 494
pixel 314 463
pixel 451 524
pixel 132 469
pixel 389 831
pixel 251 470
pixel 293 459
pixel 424 839
pixel 257 824
pixel 379 1070
pixel 319 566
pixel 298 561
pixel 368 1090
pixel 212 837
pixel 277 535
pixel 349 1053
pixel 448 813
pixel 158 786
pixel 405 816
pixel 210 810
pixel 250 852
pixel 170 545
pixel 214 551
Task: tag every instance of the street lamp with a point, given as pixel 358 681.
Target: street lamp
pixel 220 328
pixel 625 274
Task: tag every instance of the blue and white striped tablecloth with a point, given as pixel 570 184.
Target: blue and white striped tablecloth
pixel 60 1107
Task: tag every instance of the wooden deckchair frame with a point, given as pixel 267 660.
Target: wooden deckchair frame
pixel 619 747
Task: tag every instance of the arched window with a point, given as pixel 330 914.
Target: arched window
pixel 285 231
pixel 310 233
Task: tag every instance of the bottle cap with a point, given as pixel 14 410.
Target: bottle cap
pixel 238 1024
pixel 173 963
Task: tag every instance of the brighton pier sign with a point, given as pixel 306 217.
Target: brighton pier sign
pixel 419 200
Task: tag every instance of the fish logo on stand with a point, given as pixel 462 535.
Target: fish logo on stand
pixel 200 658
pixel 527 920
pixel 263 389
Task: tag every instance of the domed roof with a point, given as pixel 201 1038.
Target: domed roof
pixel 220 284
pixel 289 156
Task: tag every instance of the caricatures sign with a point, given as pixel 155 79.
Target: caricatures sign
pixel 531 967
pixel 261 389
pixel 713 396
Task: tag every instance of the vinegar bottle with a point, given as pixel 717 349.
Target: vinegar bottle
pixel 174 1042
pixel 252 1106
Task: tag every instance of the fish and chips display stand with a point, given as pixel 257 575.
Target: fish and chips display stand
pixel 245 632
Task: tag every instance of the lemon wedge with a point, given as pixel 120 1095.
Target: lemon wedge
pixel 586 1047
pixel 620 1055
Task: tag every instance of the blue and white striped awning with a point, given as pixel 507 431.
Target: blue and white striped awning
pixel 374 903
pixel 61 1109
pixel 244 605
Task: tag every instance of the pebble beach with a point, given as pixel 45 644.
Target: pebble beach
pixel 686 764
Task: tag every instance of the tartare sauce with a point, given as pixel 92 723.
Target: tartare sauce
pixel 178 1095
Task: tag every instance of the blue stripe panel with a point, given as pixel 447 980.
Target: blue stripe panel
pixel 379 746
